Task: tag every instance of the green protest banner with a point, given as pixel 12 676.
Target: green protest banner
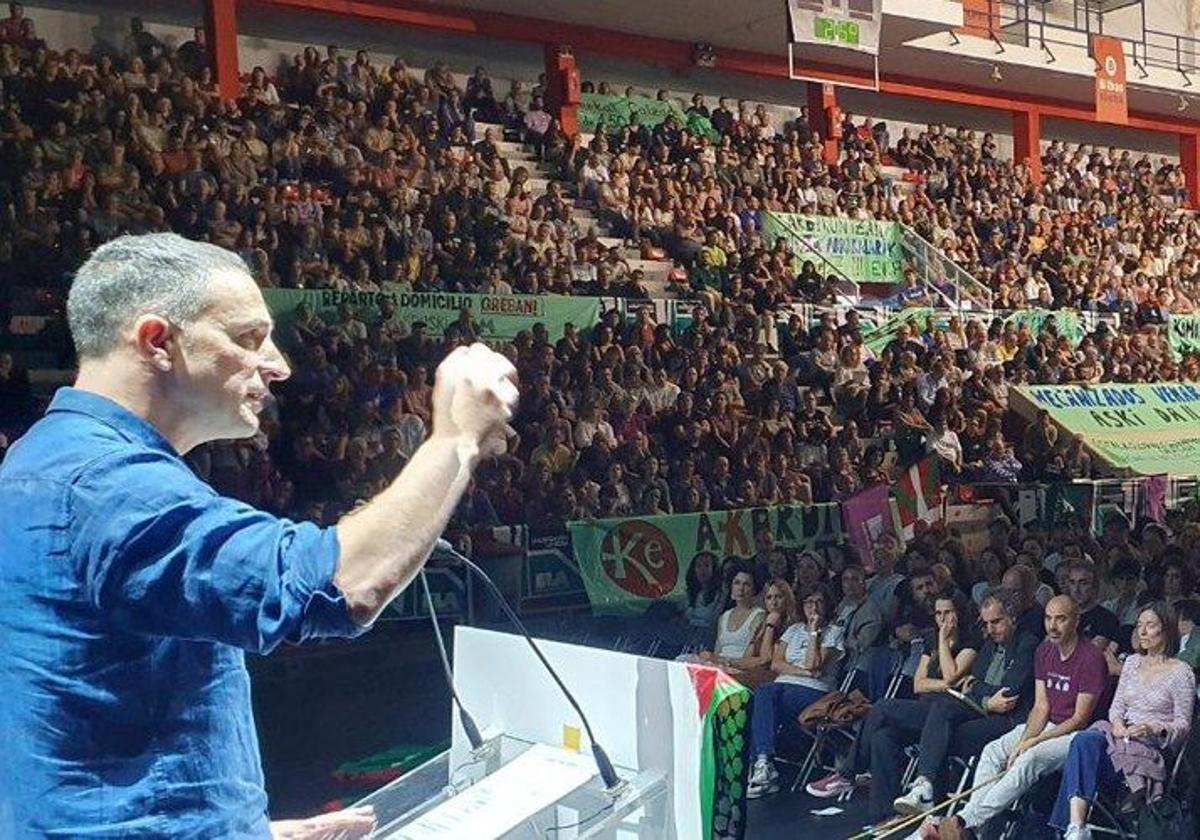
pixel 497 317
pixel 1184 334
pixel 629 563
pixel 1139 429
pixel 616 112
pixel 866 250
pixel 1066 322
pixel 879 336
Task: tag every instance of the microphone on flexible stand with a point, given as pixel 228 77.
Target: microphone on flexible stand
pixel 613 783
pixel 464 717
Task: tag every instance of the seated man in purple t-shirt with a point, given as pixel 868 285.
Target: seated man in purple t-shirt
pixel 1070 675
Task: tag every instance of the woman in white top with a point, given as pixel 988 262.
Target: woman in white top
pixel 738 625
pixel 942 440
pixel 805 661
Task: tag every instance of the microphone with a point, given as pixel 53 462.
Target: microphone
pixel 464 717
pixel 612 782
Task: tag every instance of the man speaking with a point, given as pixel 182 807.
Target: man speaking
pixel 129 589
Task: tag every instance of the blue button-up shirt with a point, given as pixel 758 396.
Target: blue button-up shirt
pixel 128 592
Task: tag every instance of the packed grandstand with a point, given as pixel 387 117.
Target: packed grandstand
pixel 678 351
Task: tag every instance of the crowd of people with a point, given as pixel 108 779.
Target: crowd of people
pixel 1069 662
pixel 336 172
pixel 1099 233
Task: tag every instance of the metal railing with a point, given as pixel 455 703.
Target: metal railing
pixel 945 277
pixel 845 285
pixel 1167 51
pixel 1028 24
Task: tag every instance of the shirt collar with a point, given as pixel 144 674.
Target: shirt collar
pixel 111 414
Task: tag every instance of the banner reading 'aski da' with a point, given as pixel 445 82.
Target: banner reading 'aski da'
pixel 1140 429
pixel 1112 104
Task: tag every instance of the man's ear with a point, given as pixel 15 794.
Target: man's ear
pixel 153 335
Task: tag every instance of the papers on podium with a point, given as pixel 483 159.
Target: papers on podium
pixel 498 803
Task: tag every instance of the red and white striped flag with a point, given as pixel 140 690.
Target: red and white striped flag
pixel 918 496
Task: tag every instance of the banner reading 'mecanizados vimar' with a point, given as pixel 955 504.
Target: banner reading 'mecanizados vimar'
pixel 1140 429
pixel 627 564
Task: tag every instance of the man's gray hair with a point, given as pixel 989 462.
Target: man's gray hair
pixel 1003 599
pixel 154 273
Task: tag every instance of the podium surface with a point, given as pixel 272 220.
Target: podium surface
pixel 535 776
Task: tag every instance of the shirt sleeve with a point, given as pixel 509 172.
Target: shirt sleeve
pixel 160 552
pixel 835 639
pixel 1120 703
pixel 1183 696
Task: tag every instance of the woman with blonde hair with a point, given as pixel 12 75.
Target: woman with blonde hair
pixel 754 667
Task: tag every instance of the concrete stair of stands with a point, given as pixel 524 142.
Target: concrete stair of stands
pixel 582 214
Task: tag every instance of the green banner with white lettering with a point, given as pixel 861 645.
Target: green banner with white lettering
pixel 1141 429
pixel 615 112
pixel 628 564
pixel 497 317
pixel 880 335
pixel 1067 323
pixel 866 250
pixel 1184 334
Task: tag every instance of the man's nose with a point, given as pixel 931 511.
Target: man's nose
pixel 274 366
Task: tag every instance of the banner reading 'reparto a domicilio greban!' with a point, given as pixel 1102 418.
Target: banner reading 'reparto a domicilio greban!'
pixel 496 317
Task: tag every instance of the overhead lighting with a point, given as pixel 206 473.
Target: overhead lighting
pixel 997 76
pixel 1183 103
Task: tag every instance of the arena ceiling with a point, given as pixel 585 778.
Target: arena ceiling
pixel 759 26
pixel 921 57
pixel 752 25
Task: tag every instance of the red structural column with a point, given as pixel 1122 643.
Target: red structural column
pixel 1189 160
pixel 562 87
pixel 980 17
pixel 1027 142
pixel 825 118
pixel 220 30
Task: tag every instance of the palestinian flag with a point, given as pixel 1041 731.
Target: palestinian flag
pixel 724 705
pixel 917 496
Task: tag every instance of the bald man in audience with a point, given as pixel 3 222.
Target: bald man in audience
pixel 1070 675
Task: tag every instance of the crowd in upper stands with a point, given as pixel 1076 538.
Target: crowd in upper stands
pixel 337 172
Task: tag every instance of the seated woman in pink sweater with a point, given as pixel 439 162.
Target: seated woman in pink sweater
pixel 1148 720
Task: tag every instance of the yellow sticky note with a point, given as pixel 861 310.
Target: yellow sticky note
pixel 571 737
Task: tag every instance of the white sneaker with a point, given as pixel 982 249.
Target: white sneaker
pixel 1077 832
pixel 918 799
pixel 764 778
